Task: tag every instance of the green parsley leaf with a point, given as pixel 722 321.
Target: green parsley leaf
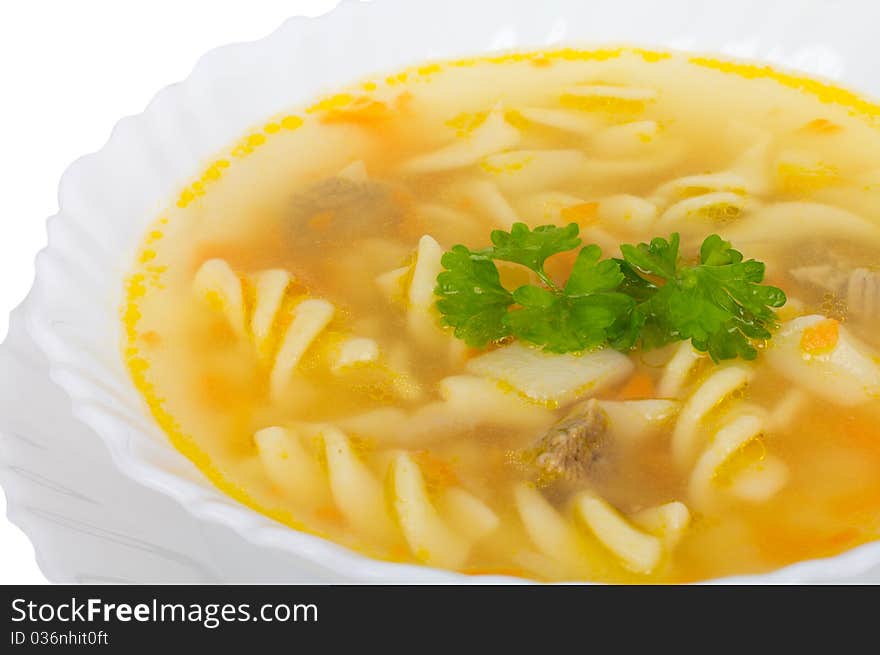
pixel 586 314
pixel 649 297
pixel 532 248
pixel 589 275
pixel 715 251
pixel 719 304
pixel 659 258
pixel 561 324
pixel 471 298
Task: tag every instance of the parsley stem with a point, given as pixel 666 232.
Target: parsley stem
pixel 547 281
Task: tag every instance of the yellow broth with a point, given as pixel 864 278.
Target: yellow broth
pixel 616 123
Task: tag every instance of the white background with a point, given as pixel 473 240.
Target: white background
pixel 69 69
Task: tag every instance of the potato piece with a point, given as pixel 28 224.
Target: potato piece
pixel 552 378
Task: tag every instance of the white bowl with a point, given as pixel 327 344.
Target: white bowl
pixel 107 199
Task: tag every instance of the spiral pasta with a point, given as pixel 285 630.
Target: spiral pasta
pixel 798 171
pixel 845 372
pixel 412 287
pixel 579 123
pixel 448 220
pixel 678 370
pixel 652 162
pixel 638 551
pixel 486 197
pixel 310 317
pixel 320 461
pixel 607 98
pixel 466 401
pixel 216 282
pixel 668 521
pixel 533 170
pixel 555 537
pixel 269 290
pixel 707 456
pixel 730 438
pixel 221 288
pixel 626 213
pixel 631 422
pixel 554 207
pixel 691 186
pixel 761 479
pixel 760 475
pixel 625 140
pixel 712 392
pixel 715 207
pixel 280 327
pixel 582 543
pixel 783 221
pixel 290 465
pixel 494 135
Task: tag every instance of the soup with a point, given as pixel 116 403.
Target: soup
pixel 282 319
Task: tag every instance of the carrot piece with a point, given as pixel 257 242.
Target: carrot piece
pixel 821 338
pixel 584 213
pixel 639 387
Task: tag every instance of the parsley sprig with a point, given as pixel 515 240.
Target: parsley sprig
pixel 649 297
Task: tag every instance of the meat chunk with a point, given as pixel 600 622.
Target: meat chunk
pixel 859 287
pixel 863 293
pixel 570 448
